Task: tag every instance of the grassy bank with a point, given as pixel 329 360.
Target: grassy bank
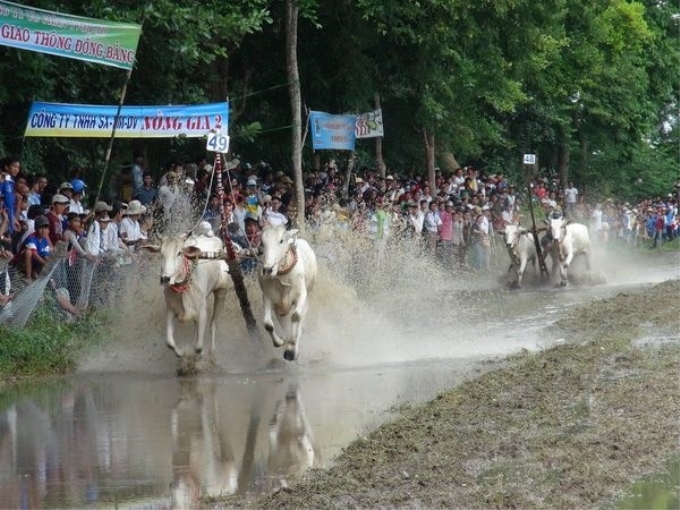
pixel 571 427
pixel 47 345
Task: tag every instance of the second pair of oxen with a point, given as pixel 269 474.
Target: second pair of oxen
pixel 565 241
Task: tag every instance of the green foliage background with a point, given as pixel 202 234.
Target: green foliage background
pixel 590 87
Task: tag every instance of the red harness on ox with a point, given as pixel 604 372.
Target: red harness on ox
pixel 183 286
pixel 289 263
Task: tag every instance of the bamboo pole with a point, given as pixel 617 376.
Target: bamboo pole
pixel 231 258
pixel 109 149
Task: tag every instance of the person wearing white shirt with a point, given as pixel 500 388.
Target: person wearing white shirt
pixel 571 198
pixel 272 214
pixel 130 230
pixel 431 226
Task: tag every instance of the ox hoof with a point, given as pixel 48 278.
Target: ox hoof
pixel 289 355
pixel 178 352
pixel 563 283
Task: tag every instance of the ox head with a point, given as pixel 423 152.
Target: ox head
pixel 174 254
pixel 557 224
pixel 511 234
pixel 276 241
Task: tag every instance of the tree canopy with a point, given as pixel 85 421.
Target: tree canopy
pixel 590 87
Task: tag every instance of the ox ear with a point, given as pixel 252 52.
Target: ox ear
pixel 500 232
pixel 191 252
pixel 292 236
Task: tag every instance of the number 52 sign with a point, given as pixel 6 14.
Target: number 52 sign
pixel 217 142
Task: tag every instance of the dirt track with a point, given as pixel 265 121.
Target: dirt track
pixel 566 428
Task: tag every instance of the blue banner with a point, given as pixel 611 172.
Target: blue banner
pixel 332 131
pixel 89 121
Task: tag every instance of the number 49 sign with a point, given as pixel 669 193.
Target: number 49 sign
pixel 217 142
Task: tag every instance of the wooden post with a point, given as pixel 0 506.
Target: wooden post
pixel 107 157
pixel 530 163
pixel 232 261
pixel 379 161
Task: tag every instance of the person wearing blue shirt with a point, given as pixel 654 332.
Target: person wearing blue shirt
pixel 36 249
pixel 9 170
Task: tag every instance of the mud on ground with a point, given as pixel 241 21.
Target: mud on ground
pixel 566 428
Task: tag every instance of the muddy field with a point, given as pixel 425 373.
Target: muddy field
pixel 571 427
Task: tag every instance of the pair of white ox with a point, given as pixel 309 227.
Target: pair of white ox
pixel 568 240
pixel 193 268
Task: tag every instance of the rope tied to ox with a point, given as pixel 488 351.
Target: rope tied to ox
pixel 184 285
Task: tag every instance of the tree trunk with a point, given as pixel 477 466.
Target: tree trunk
pixel 450 161
pixel 429 157
pixel 563 160
pixel 348 174
pixel 379 161
pixel 295 106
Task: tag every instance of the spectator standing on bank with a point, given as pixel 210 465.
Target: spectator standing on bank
pixel 37 188
pixel 55 216
pixel 130 230
pixel 137 174
pixel 147 194
pixel 570 199
pixel 8 174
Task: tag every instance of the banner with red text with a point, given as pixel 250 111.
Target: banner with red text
pixel 88 121
pixel 105 42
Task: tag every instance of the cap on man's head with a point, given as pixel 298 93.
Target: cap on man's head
pixel 65 185
pixel 102 206
pixel 60 199
pixel 251 182
pixel 78 186
pixel 41 221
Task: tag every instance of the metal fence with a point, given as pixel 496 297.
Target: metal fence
pixel 75 285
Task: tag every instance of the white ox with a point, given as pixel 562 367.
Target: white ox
pixel 288 275
pixel 569 240
pixel 520 244
pixel 188 283
pixel 291 443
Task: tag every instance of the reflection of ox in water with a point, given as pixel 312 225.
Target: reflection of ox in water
pixel 203 463
pixel 291 450
pixel 288 274
pixel 190 273
pixel 569 240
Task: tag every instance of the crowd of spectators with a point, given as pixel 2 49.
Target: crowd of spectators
pixel 452 219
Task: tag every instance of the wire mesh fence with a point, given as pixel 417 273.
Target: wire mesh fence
pixel 74 283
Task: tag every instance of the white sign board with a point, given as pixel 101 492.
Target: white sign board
pixel 217 142
pixel 529 159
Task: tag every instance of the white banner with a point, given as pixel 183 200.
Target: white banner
pixel 369 125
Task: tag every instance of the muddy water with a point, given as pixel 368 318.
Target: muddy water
pixel 127 432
